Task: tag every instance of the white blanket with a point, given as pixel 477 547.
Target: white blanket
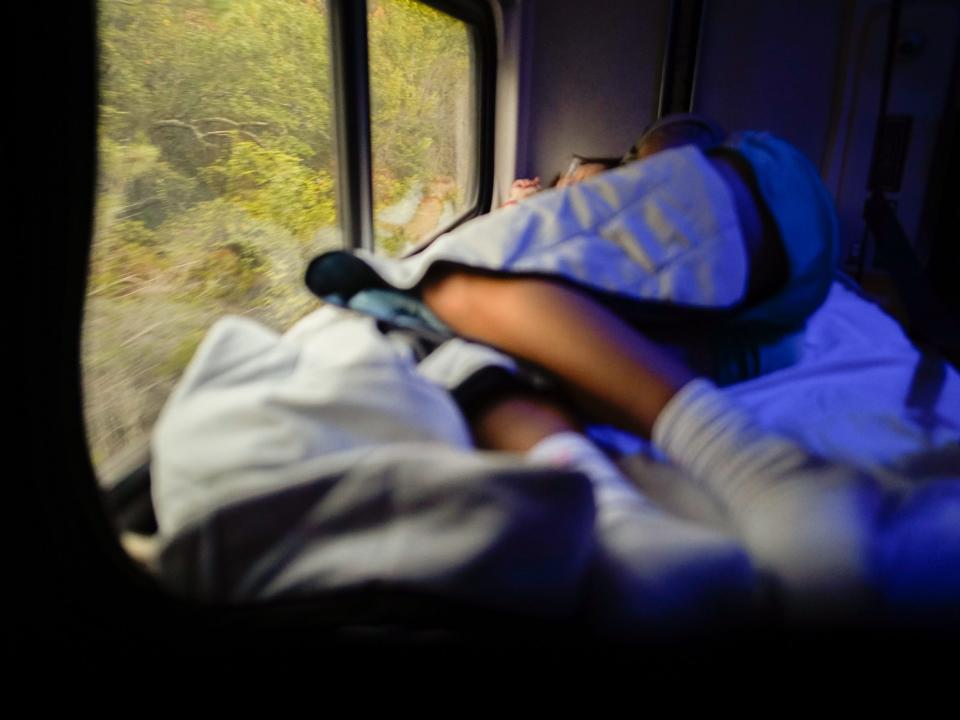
pixel 861 394
pixel 322 459
pixel 663 229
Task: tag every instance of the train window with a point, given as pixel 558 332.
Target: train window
pixel 218 173
pixel 422 121
pixel 216 184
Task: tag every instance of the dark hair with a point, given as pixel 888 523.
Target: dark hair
pixel 673 131
pixel 579 160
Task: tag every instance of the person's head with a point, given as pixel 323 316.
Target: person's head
pixel 582 168
pixel 673 131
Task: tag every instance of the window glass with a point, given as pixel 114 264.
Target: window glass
pixel 216 184
pixel 423 121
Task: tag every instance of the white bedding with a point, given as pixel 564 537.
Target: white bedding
pixel 662 230
pixel 289 465
pixel 861 394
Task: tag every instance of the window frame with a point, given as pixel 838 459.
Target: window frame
pixel 81 583
pixel 348 48
pixel 351 81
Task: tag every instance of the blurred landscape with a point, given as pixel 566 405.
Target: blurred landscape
pixel 217 177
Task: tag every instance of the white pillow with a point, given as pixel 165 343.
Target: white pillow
pixel 255 410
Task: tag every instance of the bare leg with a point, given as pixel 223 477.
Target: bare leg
pixel 517 422
pixel 628 378
pixel 544 429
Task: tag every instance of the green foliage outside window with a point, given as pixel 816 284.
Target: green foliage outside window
pixel 217 176
pixel 422 120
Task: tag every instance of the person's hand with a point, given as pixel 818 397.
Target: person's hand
pixel 521 189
